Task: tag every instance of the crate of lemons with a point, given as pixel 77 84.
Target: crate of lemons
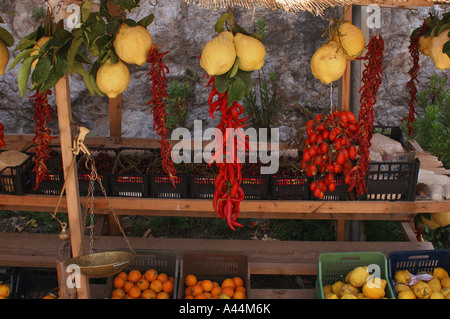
pixel 149 284
pixel 432 285
pixel 357 284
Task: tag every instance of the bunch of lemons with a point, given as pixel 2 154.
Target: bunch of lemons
pixel 229 288
pixel 436 288
pixel 5 291
pixel 356 285
pixel 329 62
pixel 147 285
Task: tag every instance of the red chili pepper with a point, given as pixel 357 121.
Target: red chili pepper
pixel 2 137
pixel 159 94
pixel 372 77
pixel 43 114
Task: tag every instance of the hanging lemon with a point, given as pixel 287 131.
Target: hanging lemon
pixel 219 54
pixel 132 44
pixel 441 60
pixel 4 57
pixel 352 40
pixel 113 79
pixel 424 44
pixel 328 63
pixel 250 51
pixel 37 47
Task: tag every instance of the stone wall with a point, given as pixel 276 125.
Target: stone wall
pixel 184 29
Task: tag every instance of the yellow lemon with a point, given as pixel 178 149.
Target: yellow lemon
pixel 402 276
pixel 113 79
pixel 446 292
pixel 4 291
pixel 39 44
pixel 132 44
pixel 250 51
pixel 331 296
pixel 326 289
pixel 445 282
pixel 375 288
pixel 401 287
pixel 352 40
pixel 422 290
pixel 440 273
pixel 358 276
pixel 442 219
pixel 348 289
pixel 4 57
pixel 441 60
pixel 424 45
pixel 435 284
pixel 436 295
pixel 406 294
pixel 430 223
pixel 349 296
pixel 328 63
pixel 219 54
pixel 336 288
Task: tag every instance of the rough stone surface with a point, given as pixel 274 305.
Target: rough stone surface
pixel 183 30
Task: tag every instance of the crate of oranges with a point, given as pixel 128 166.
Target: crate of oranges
pixel 153 274
pixel 214 276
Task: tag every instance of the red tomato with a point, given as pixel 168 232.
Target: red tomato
pixel 351 118
pixel 352 152
pixel 323 148
pixel 340 159
pixel 332 187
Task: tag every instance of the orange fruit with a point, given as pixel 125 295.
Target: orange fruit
pixel 215 291
pixel 187 291
pixel 134 292
pixel 134 275
pixel 127 286
pixel 228 290
pixel 151 275
pixel 167 286
pixel 163 295
pixel 172 279
pixel 115 297
pixel 207 285
pixel 189 297
pixel 123 274
pixel 148 294
pixel 162 277
pixel 118 282
pixel 201 296
pixel 118 292
pixel 156 286
pixel 215 284
pixel 228 283
pixel 238 281
pixel 143 284
pixel 239 295
pixel 240 288
pixel 190 280
pixel 196 290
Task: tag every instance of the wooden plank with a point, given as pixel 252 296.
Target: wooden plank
pixel 345 87
pixel 282 294
pixel 62 93
pixel 408 4
pixel 115 116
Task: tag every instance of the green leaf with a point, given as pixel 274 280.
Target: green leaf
pixel 145 22
pixel 222 82
pixel 21 56
pixel 446 48
pixel 41 70
pixel 235 68
pixel 6 37
pixel 131 22
pixel 24 73
pixel 221 21
pixel 236 92
pixel 87 81
pixel 58 40
pixel 73 50
pixel 86 10
pixel 27 41
pixel 112 26
pixel 246 77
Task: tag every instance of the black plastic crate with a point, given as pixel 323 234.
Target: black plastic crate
pixel 16 180
pixel 132 183
pixel 161 186
pixel 392 180
pixel 8 276
pixel 256 187
pixel 340 193
pixel 104 171
pixel 289 188
pixel 201 187
pixel 53 182
pixel 417 261
pixel 35 283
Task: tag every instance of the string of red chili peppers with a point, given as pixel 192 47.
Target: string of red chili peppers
pixel 411 85
pixel 228 192
pixel 159 93
pixel 2 136
pixel 371 79
pixel 43 114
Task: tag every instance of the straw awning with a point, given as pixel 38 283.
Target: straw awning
pixel 315 7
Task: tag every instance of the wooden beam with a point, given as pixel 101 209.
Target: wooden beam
pixel 62 93
pixel 408 4
pixel 345 89
pixel 115 116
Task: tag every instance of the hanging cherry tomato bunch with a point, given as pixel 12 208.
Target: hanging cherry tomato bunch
pixel 329 149
pixel 2 137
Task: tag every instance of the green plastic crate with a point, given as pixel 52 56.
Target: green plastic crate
pixel 335 266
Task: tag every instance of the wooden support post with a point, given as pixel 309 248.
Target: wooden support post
pixel 115 116
pixel 62 93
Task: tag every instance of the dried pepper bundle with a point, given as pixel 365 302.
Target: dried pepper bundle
pixel 228 192
pixel 372 78
pixel 413 49
pixel 43 114
pixel 2 140
pixel 159 94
